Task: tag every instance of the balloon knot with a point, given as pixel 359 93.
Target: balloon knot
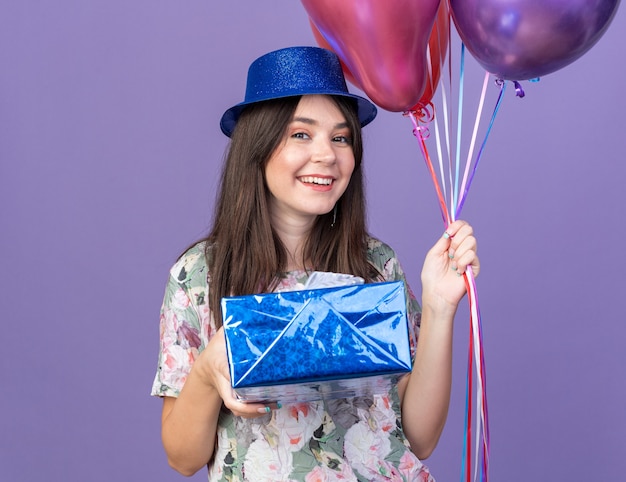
pixel 421 114
pixel 518 89
pixel 418 115
pixel 519 92
pixel 421 132
pixel 425 113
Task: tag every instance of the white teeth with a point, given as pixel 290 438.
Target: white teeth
pixel 317 180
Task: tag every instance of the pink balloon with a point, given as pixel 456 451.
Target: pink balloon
pixel 382 43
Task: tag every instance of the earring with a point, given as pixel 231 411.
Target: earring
pixel 332 225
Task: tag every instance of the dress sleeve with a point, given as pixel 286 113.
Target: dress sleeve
pixel 384 258
pixel 185 324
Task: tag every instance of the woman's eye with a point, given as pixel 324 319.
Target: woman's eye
pixel 342 139
pixel 300 135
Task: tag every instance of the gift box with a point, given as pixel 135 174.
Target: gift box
pixel 312 344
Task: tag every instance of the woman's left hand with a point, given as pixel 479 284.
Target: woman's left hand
pixel 443 284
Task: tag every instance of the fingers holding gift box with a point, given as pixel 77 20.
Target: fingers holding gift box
pixel 215 367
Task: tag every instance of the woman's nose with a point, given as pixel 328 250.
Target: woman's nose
pixel 323 152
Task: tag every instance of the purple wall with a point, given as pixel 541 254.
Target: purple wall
pixel 109 151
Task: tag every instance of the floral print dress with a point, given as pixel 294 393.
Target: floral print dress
pixel 356 439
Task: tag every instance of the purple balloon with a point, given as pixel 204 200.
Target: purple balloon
pixel 525 39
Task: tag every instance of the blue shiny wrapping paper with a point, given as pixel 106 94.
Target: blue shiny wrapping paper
pixel 311 344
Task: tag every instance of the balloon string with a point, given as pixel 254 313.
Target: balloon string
pixel 446 124
pixel 479 453
pixel 442 46
pixel 417 132
pixel 457 163
pixel 474 349
pixel 475 358
pixel 440 159
pixel 481 399
pixel 482 147
pixel 433 117
pixel 447 109
pixel 429 63
pixel 467 424
pixel 468 427
pixel 475 355
pixel 483 377
pixel 470 151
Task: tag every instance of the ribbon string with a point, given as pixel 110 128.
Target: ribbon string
pixel 417 132
pixel 459 125
pixel 452 193
pixel 482 146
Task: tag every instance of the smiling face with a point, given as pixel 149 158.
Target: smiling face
pixel 311 168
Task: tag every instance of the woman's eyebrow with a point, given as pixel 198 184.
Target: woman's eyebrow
pixel 307 120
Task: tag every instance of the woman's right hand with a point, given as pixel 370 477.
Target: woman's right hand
pixel 190 421
pixel 213 366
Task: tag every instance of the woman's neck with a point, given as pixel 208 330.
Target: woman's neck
pixel 293 234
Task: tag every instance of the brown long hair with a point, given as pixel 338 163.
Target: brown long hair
pixel 244 253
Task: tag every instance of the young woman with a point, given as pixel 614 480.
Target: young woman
pixel 291 201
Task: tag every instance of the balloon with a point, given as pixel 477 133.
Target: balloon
pixel 437 47
pixel 525 39
pixel 321 41
pixel 382 43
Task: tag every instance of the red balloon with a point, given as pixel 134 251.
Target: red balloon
pixel 438 49
pixel 383 45
pixel 321 41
